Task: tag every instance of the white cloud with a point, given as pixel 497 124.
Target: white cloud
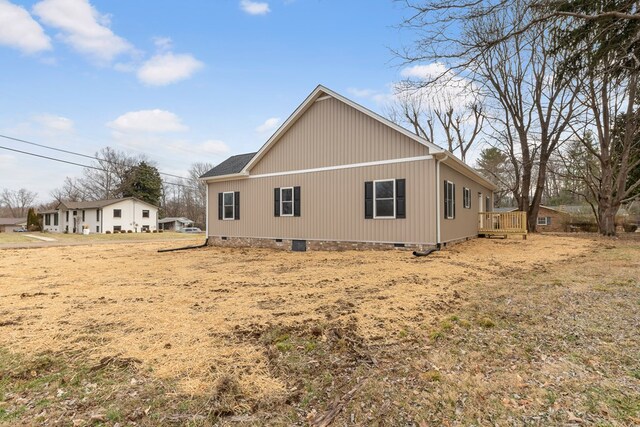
pixel 152 121
pixel 20 31
pixel 255 7
pixel 167 68
pixel 269 125
pixel 54 123
pixel 163 44
pixel 213 146
pixel 83 28
pixel 424 72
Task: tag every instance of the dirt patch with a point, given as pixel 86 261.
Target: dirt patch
pixel 253 329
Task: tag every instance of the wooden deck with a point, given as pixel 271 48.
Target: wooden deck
pixel 502 224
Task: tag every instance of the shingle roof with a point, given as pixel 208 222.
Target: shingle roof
pixel 97 203
pixel 233 164
pixel 12 221
pixel 174 219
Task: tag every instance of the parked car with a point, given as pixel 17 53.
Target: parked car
pixel 20 230
pixel 191 230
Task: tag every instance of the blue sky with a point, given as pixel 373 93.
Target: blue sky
pixel 181 81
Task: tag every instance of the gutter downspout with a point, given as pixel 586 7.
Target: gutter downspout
pixel 438 198
pixel 206 214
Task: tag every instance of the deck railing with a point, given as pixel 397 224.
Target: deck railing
pixel 502 223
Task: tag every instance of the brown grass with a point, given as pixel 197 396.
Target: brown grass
pixel 250 331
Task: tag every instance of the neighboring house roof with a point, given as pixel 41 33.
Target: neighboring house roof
pixel 320 92
pixel 233 164
pixel 13 221
pixel 98 203
pixel 175 219
pixel 505 209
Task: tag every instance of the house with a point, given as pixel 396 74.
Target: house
pixel 336 175
pixel 174 223
pixel 552 218
pixel 100 216
pixel 7 225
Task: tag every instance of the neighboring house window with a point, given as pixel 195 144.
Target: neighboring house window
pixel 117 213
pixel 97 214
pixel 286 201
pixel 97 228
pixel 145 214
pixel 55 219
pixel 67 216
pixel 544 220
pixel 83 216
pixel 75 213
pixel 145 228
pixel 487 205
pixel 466 198
pixel 228 206
pixel 449 200
pixel 47 219
pixel 117 228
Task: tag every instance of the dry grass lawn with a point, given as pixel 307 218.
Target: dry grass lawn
pixel 543 331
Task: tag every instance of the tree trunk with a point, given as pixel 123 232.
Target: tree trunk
pixel 607 220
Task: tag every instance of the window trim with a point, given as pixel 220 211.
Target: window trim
pixel 466 197
pixel 542 223
pixel 375 199
pixel 282 201
pixel 233 206
pixel 450 214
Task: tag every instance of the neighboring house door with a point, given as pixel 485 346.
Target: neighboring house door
pixel 481 219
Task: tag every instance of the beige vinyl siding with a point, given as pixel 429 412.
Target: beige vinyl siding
pixel 465 223
pixel 332 206
pixel 333 133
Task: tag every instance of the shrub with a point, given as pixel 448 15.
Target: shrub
pixel 147 231
pixel 155 231
pixel 160 231
pixel 129 231
pixel 630 228
pixel 107 232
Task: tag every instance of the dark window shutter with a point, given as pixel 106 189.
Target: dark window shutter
pixel 236 202
pixel 296 201
pixel 219 205
pixel 548 220
pixel 276 202
pixel 400 199
pixel 368 200
pixel 446 200
pixel 453 200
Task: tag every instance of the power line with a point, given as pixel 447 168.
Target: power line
pixel 79 164
pixel 48 147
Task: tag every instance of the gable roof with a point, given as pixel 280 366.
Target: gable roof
pixel 98 203
pixel 180 219
pixel 233 164
pixel 321 92
pixel 12 221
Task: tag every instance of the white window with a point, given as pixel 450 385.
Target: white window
pixel 466 198
pixel 384 198
pixel 449 200
pixel 542 220
pixel 286 201
pixel 228 206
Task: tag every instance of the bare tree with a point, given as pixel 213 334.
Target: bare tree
pixel 431 111
pixel 104 179
pixel 18 202
pixel 515 64
pixel 71 190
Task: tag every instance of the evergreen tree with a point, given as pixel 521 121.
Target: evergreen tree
pixel 33 223
pixel 143 181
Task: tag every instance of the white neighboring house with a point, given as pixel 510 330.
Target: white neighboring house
pixel 100 216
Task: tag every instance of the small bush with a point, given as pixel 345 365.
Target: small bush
pixel 160 231
pixel 129 231
pixel 147 231
pixel 155 231
pixel 108 232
